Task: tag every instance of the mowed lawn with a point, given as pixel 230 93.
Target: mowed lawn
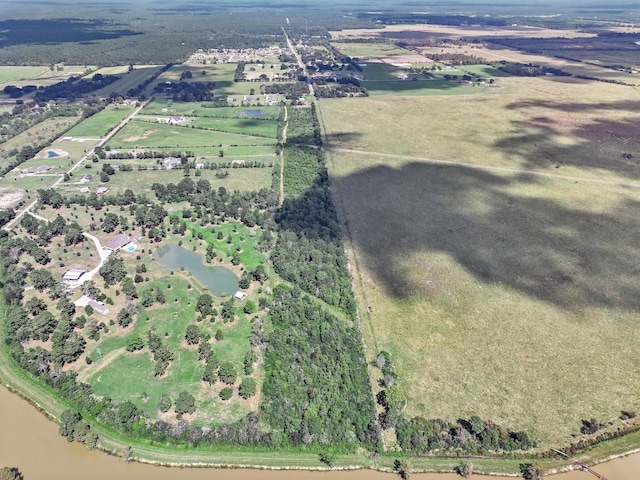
pixel 498 293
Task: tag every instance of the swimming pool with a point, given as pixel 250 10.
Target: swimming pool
pixel 131 247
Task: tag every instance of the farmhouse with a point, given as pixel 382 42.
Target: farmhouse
pixel 171 162
pixel 177 119
pixel 117 242
pixel 86 178
pixel 72 277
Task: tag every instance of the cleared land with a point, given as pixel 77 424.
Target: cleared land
pixel 566 127
pixel 99 124
pixel 158 135
pixel 498 292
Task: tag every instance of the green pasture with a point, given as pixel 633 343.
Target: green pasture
pixel 512 245
pixel 128 80
pixel 11 74
pixel 420 87
pixel 20 76
pixel 381 71
pixel 164 108
pixel 101 123
pixel 246 126
pixel 493 281
pixel 364 50
pixel 156 135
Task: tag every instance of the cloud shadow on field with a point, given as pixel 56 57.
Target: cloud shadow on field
pixel 568 256
pixel 596 135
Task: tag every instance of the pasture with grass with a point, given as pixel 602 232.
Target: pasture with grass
pixel 494 264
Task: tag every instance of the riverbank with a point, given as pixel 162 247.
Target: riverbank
pixel 46 401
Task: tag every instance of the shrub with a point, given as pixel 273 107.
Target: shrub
pixel 226 393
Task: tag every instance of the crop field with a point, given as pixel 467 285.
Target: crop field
pixel 422 87
pixel 496 264
pixel 101 123
pixel 157 135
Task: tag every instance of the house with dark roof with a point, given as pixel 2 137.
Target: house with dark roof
pixel 117 242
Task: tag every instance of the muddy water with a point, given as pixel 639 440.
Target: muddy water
pixel 31 442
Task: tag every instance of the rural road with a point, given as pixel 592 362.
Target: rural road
pixel 484 167
pixel 106 138
pixel 300 63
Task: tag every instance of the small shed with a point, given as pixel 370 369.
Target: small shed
pixel 98 307
pixel 240 295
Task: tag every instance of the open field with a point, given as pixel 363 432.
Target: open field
pixel 446 31
pixel 154 135
pixel 161 107
pixel 222 74
pixel 128 80
pixel 367 50
pixel 494 293
pixel 101 123
pixel 496 264
pixel 561 127
pixel 20 76
pixel 494 52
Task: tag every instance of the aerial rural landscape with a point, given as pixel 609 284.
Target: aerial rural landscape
pixel 364 239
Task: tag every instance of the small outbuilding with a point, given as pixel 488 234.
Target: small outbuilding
pixel 72 277
pixel 240 295
pixel 98 307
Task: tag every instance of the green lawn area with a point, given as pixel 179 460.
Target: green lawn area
pixel 248 126
pixel 196 109
pixel 101 123
pixel 155 135
pixel 39 75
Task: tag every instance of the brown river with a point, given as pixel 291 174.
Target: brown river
pixel 31 442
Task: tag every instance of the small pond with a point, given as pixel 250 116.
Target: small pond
pixel 52 154
pixel 252 113
pixel 220 281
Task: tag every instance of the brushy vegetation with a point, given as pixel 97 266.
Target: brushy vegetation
pixel 316 387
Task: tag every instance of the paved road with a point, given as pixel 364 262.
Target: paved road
pixel 107 137
pixel 300 63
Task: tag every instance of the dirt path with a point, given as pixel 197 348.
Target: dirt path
pixel 284 141
pixel 84 375
pixel 486 167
